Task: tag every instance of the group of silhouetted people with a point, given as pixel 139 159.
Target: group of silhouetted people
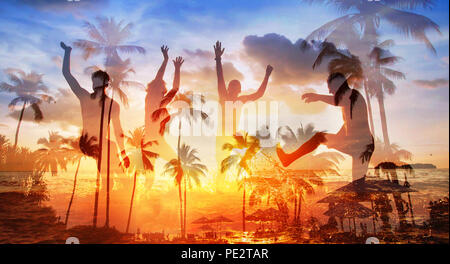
pixel 354 138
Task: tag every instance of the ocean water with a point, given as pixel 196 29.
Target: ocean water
pixel 33 210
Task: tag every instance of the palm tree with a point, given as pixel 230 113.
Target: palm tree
pixel 109 38
pixel 119 71
pixel 187 168
pixel 311 166
pixel 185 112
pixel 140 160
pixel 30 90
pixel 243 149
pixel 343 31
pixel 379 83
pixel 303 184
pixel 367 16
pixel 289 185
pixel 52 155
pixel 80 148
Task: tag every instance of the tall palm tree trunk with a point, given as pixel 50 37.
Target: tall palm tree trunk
pixel 131 202
pixel 243 208
pixel 373 219
pixel 185 208
pixel 18 125
pixel 181 210
pixel 99 164
pixel 295 210
pixel 108 164
pixel 369 108
pixel 299 210
pixel 73 192
pixel 387 143
pixel 183 220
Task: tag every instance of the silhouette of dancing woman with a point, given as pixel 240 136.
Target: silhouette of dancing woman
pixel 354 138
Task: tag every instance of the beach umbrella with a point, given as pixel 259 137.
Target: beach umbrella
pixel 360 190
pixel 257 216
pixel 373 186
pixel 220 219
pixel 206 227
pixel 201 220
pixel 272 214
pixel 349 210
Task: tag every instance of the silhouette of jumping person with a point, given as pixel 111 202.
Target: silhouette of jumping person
pixel 93 106
pixel 156 100
pixel 354 138
pixel 232 95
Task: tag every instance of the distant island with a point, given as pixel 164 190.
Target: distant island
pixel 423 166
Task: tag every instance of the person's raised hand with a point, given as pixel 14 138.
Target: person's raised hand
pixel 310 97
pixel 269 70
pixel 165 52
pixel 218 50
pixel 65 47
pixel 178 62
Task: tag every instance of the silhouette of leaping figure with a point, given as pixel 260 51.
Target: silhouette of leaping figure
pixel 232 95
pixel 156 100
pixel 354 138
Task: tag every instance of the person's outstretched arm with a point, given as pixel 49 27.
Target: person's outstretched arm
pixel 262 89
pixel 73 83
pixel 218 50
pixel 162 69
pixel 313 97
pixel 176 82
pixel 118 132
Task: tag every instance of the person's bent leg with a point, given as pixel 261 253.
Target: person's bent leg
pixel 307 147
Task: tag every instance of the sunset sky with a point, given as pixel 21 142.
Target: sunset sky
pixel 254 33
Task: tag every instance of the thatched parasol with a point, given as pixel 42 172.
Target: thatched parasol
pixel 272 214
pixel 349 210
pixel 360 190
pixel 220 219
pixel 201 220
pixel 206 227
pixel 257 216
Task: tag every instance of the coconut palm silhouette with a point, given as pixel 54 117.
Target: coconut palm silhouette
pixel 80 148
pixel 30 90
pixel 141 160
pixel 186 168
pixel 243 149
pixel 52 155
pixel 367 15
pixel 110 38
pixel 379 82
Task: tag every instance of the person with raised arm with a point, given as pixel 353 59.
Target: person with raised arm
pixel 93 114
pixel 231 96
pixel 354 138
pixel 156 101
pixel 95 124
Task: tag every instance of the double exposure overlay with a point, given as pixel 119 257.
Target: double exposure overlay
pixel 224 122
